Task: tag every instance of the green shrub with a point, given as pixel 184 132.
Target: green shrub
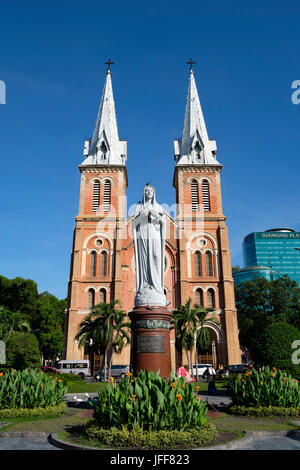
pixel 162 439
pixel 151 401
pixel 265 387
pixel 276 347
pixel 262 411
pixel 30 388
pixel 22 351
pixel 46 412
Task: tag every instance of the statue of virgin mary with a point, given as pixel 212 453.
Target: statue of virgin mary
pixel 149 235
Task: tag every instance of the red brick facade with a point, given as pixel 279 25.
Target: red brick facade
pixel 197 257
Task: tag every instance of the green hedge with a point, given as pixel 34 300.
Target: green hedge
pixel 48 411
pixel 262 411
pixel 162 439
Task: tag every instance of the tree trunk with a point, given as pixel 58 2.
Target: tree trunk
pixel 191 359
pixel 105 364
pixel 110 362
pixel 196 362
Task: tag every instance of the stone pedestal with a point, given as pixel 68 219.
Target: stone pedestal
pixel 150 336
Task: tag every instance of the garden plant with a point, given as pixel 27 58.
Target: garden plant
pixel 30 389
pixel 147 410
pixel 267 390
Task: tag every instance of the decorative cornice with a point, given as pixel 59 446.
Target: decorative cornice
pixel 199 168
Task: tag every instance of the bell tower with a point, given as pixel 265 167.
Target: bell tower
pixel 95 273
pixel 204 256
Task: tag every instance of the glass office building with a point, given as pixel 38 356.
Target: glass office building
pixel 248 274
pixel 278 249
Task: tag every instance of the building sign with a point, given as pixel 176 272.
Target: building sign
pixel 151 344
pixel 286 235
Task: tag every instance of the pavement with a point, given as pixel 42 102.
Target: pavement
pixel 254 440
pixel 25 443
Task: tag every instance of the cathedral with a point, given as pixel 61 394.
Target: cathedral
pixel 197 257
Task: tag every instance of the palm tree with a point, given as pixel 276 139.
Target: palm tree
pixel 10 322
pixel 186 320
pixel 98 329
pixel 202 334
pixel 120 335
pixel 89 337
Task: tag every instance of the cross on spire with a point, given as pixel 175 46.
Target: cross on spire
pixel 109 63
pixel 191 62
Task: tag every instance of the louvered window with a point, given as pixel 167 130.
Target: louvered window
pixel 102 296
pixel 205 196
pixel 103 263
pixel 91 298
pixel 106 197
pixel 199 297
pixel 195 196
pixel 198 264
pixel 96 196
pixel 93 263
pixel 210 298
pixel 208 264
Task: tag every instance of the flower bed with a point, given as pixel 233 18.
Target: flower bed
pixel 151 401
pixel 149 412
pixel 264 388
pixel 30 389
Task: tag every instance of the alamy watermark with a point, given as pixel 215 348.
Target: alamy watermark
pixel 296 354
pixel 296 94
pixel 2 353
pixel 2 92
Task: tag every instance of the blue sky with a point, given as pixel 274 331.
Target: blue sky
pixel 52 61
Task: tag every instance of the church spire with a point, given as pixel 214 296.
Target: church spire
pixel 105 148
pixel 195 146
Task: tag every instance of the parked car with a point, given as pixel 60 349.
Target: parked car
pixel 48 370
pixel 237 368
pixel 202 370
pixel 117 371
pixel 77 367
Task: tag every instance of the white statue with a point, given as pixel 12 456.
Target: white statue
pixel 149 235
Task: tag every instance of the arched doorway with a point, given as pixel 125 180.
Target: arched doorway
pixel 212 355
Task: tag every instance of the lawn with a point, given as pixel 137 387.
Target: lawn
pixel 83 387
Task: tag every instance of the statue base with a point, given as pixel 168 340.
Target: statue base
pixel 150 336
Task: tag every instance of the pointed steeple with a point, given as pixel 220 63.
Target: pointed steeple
pixel 195 146
pixel 105 148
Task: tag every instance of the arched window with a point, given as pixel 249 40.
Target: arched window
pixel 96 196
pixel 211 298
pixel 195 196
pixel 102 296
pixel 197 149
pixel 208 264
pixel 198 264
pixel 93 263
pixel 103 149
pixel 205 196
pixel 199 297
pixel 103 263
pixel 91 298
pixel 106 197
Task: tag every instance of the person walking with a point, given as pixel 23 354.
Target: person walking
pixel 181 372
